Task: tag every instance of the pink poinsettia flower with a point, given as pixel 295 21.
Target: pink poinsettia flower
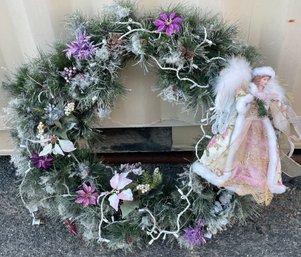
pixel 169 24
pixel 87 195
pixel 118 182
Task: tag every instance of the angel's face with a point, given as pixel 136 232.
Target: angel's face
pixel 261 81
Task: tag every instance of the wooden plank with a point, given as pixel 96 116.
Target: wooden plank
pixel 184 157
pixel 135 140
pixel 151 157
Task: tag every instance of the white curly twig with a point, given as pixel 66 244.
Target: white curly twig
pixel 153 230
pixel 135 30
pixel 204 122
pixel 205 40
pixel 216 58
pixel 130 21
pixel 21 193
pixel 68 191
pixel 102 217
pixel 39 96
pixel 194 84
pixel 20 189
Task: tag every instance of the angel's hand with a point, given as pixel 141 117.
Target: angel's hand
pixel 283 108
pixel 243 103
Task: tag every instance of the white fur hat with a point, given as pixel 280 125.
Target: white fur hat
pixel 264 70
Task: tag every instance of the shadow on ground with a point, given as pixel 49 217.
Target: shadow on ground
pixel 276 233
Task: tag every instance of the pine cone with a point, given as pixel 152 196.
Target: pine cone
pixel 113 41
pixel 186 54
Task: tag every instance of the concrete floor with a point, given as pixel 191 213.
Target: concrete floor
pixel 276 233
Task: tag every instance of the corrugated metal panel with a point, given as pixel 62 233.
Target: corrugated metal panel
pixel 274 26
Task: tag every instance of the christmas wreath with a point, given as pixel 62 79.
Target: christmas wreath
pixel 57 95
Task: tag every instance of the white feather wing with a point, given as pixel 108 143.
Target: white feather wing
pixel 230 79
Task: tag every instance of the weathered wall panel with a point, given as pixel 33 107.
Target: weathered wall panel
pixel 274 26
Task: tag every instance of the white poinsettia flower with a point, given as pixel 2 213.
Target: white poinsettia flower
pixel 56 146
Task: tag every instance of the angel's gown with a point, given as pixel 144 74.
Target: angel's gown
pixel 241 158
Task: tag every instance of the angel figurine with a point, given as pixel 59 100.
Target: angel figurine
pixel 251 111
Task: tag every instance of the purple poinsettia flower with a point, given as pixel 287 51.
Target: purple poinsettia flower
pixel 195 235
pixel 168 23
pixel 81 48
pixel 41 162
pixel 87 195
